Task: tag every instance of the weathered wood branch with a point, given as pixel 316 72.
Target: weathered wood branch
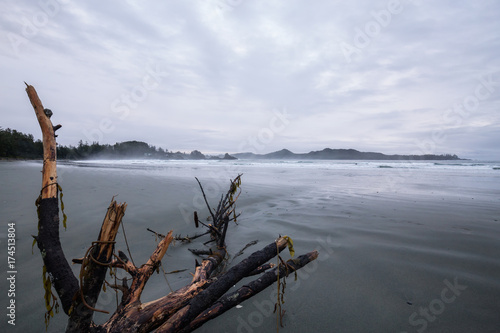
pixel 48 242
pixel 206 298
pixel 206 201
pixel 144 273
pixel 221 216
pixel 146 317
pixel 230 300
pixel 64 281
pixel 124 263
pixel 95 264
pixel 209 265
pixel 49 171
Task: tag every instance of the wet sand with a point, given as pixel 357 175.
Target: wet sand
pixel 397 254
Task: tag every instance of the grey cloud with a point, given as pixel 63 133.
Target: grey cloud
pixel 226 67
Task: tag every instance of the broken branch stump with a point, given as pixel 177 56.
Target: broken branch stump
pixel 95 264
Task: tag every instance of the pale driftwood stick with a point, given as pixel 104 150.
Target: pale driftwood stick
pixel 49 178
pixel 62 277
pixel 145 271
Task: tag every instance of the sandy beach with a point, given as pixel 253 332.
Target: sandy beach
pixel 400 251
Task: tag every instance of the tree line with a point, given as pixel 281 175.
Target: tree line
pixel 15 144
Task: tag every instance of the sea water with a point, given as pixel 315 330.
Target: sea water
pixel 404 246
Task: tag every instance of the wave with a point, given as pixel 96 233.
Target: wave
pixel 151 164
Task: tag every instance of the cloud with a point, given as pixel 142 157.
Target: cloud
pixel 208 76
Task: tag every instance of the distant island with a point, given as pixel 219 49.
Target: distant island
pixel 17 145
pixel 341 154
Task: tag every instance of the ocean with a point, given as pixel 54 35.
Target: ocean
pixel 404 246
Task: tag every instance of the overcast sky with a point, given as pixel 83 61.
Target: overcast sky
pixel 245 75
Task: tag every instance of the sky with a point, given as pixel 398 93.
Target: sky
pixel 397 77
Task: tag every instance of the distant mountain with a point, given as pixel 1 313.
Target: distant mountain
pixel 341 154
pixel 282 154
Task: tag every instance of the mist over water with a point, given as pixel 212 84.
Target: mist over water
pixel 404 246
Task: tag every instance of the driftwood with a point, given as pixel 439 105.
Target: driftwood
pixel 183 310
pixel 65 283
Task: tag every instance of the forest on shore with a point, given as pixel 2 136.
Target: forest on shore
pixel 18 145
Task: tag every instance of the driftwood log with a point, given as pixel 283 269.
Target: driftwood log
pixel 183 310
